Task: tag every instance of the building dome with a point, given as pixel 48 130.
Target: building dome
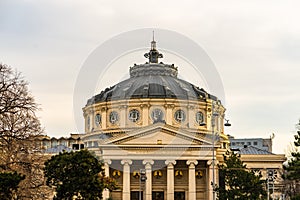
pixel 152 80
pixel 152 94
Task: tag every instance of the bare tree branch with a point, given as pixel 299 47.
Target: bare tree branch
pixel 19 127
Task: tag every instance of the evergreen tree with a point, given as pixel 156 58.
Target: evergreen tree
pixel 292 169
pixel 77 175
pixel 236 182
pixel 9 183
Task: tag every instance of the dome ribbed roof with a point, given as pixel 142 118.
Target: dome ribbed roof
pixel 152 80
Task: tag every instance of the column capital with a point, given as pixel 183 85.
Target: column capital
pixel 170 162
pixel 191 107
pixel 145 105
pixel 107 161
pixel 169 105
pixel 210 162
pixel 145 162
pixel 123 107
pixel 124 162
pixel 103 109
pixel 192 162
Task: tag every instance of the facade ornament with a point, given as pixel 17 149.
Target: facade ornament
pixel 157 174
pixel 136 174
pixel 199 174
pixel 145 105
pixel 178 173
pixel 103 109
pixel 116 174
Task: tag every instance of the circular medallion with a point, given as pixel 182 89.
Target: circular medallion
pixel 180 116
pixel 199 117
pixel 98 119
pixel 134 115
pixel 157 115
pixel 113 117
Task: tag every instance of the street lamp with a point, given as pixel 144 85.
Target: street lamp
pixel 143 178
pixel 213 123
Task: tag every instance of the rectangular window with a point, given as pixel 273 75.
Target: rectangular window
pixel 81 146
pixel 53 143
pixel 157 195
pixel 248 143
pixel 134 195
pixel 179 196
pixel 90 144
pixel 254 143
pixel 75 146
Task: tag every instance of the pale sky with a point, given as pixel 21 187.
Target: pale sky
pixel 255 46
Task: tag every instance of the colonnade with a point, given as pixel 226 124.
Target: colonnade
pixel 170 179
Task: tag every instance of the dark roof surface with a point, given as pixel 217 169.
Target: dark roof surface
pixel 152 80
pixel 250 150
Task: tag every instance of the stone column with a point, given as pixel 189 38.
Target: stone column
pixel 192 179
pixel 170 179
pixel 191 116
pixel 85 115
pixel 92 115
pixel 169 114
pixel 123 116
pixel 103 117
pixel 105 193
pixel 145 115
pixel 211 170
pixel 148 167
pixel 126 179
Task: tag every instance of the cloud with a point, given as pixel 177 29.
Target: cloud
pixel 254 44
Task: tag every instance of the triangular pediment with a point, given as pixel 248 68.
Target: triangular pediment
pixel 158 134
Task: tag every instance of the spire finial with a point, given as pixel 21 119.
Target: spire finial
pixel 153 43
pixel 153 35
pixel 153 55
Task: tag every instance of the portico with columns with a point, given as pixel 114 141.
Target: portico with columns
pixel 176 164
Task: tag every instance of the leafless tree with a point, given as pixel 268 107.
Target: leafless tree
pixel 19 128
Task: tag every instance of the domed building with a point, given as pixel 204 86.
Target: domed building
pixel 155 132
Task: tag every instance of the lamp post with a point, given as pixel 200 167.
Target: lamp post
pixel 215 114
pixel 143 178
